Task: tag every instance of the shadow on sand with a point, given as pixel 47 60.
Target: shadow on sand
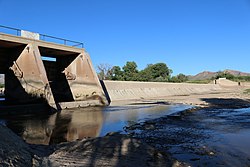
pixel 227 102
pixel 111 150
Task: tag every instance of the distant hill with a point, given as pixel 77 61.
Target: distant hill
pixel 1 79
pixel 208 75
pixel 237 73
pixel 202 76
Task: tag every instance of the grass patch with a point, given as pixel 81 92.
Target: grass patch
pixel 1 85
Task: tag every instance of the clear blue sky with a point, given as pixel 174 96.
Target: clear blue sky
pixel 190 36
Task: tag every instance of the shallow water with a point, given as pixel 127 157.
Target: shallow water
pixel 207 137
pixel 70 125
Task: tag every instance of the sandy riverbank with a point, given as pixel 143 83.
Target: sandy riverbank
pixel 135 149
pixel 111 150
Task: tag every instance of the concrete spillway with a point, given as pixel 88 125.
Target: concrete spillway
pixel 127 90
pixel 66 82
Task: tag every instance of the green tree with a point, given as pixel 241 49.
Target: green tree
pixel 117 73
pixel 144 75
pixel 179 78
pixel 130 71
pixel 225 75
pixel 156 72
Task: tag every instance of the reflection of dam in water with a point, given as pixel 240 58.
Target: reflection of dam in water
pixel 70 125
pixel 63 126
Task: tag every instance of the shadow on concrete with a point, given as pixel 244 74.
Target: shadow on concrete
pixel 8 55
pixel 15 93
pixel 227 102
pixel 18 101
pixel 59 85
pixel 105 91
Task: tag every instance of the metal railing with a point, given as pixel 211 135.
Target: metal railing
pixel 43 37
pixel 17 31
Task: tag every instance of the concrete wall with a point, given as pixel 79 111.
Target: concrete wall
pixel 128 90
pixel 227 83
pixel 247 84
pixel 70 81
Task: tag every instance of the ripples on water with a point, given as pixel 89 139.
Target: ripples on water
pixel 70 125
pixel 209 137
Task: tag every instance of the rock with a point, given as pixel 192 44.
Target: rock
pixel 149 127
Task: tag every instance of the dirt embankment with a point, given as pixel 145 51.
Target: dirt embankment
pixel 13 150
pixel 110 150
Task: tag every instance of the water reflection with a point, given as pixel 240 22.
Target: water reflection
pixel 70 125
pixel 77 124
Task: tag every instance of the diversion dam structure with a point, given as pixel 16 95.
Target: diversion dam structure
pixel 37 71
pixel 41 69
pixel 130 90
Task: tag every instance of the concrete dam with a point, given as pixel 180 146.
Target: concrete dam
pixel 129 90
pixel 62 76
pixel 38 71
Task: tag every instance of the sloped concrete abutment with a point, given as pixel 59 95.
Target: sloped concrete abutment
pixel 37 71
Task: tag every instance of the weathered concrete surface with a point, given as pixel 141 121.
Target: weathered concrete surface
pixel 227 83
pixel 83 80
pixel 31 74
pixel 128 90
pixel 30 79
pixel 17 40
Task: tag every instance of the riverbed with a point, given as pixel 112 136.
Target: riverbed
pixel 213 132
pixel 205 137
pixel 75 124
